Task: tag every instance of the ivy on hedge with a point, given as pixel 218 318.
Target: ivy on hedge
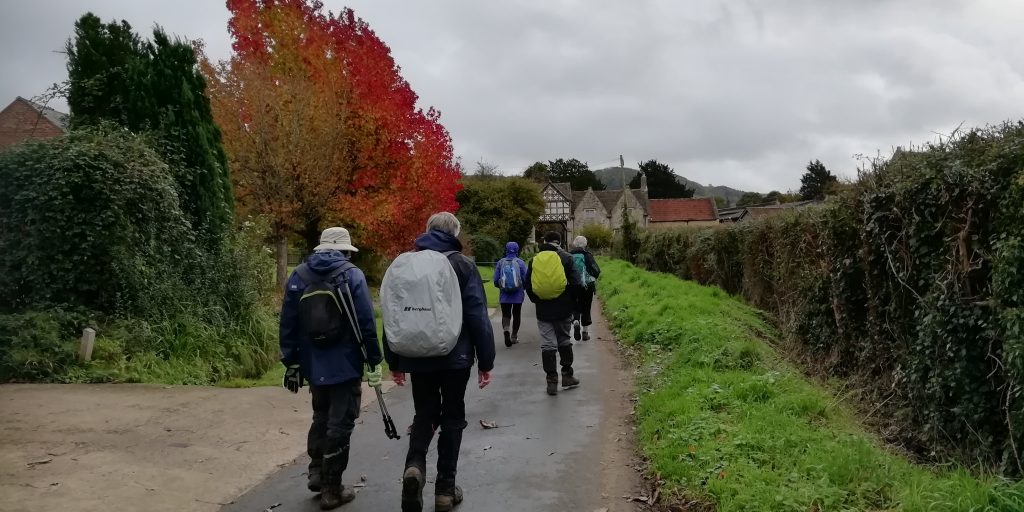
pixel 91 219
pixel 911 282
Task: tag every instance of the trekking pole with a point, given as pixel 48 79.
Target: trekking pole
pixel 350 311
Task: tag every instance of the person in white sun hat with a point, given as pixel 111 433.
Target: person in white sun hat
pixel 320 346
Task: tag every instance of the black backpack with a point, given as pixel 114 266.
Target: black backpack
pixel 321 315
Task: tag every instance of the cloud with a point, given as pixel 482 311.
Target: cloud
pixel 740 93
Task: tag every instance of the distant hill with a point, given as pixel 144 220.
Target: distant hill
pixel 612 178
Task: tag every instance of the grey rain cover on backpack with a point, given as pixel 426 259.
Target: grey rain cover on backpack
pixel 421 304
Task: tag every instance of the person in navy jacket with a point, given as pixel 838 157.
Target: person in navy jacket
pixel 439 383
pixel 333 370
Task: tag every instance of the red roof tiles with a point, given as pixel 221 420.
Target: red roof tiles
pixel 682 210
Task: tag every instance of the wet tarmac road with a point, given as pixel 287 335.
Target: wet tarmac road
pixel 550 453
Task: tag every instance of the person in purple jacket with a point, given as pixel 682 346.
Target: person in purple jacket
pixel 508 277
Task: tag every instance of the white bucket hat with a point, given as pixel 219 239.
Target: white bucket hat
pixel 335 239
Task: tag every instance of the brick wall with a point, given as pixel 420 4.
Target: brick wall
pixel 19 121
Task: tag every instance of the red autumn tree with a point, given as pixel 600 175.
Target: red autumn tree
pixel 320 127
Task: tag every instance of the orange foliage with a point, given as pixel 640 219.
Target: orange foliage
pixel 321 127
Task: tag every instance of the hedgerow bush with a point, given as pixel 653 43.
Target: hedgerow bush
pixel 598 237
pixel 486 249
pixel 910 283
pixel 91 219
pixel 92 235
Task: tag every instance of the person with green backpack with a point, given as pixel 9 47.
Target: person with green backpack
pixel 552 283
pixel 325 300
pixel 586 267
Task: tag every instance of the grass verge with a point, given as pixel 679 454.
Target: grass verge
pixel 492 292
pixel 726 422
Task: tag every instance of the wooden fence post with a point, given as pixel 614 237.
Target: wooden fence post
pixel 88 340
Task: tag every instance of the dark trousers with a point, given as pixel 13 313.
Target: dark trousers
pixel 440 401
pixel 335 409
pixel 584 299
pixel 513 312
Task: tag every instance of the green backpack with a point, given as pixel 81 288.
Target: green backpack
pixel 548 277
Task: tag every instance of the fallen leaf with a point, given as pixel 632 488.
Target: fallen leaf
pixel 550 454
pixel 487 424
pixel 272 507
pixel 39 462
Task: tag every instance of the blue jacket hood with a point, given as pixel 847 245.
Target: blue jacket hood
pixel 326 261
pixel 511 250
pixel 438 241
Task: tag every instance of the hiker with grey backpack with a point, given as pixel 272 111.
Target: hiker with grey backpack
pixel 435 326
pixel 588 271
pixel 509 273
pixel 327 336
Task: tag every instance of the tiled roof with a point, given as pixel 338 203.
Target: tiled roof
pixel 608 198
pixel 565 188
pixel 760 212
pixel 679 210
pixel 59 119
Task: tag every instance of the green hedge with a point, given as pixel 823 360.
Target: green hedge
pixel 92 234
pixel 910 283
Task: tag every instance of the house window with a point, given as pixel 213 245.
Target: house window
pixel 589 214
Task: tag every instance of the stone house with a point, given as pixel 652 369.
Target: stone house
pixel 567 210
pixel 24 119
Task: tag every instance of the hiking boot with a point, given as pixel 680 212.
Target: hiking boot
pixel 586 336
pixel 576 329
pixel 447 500
pixel 549 360
pixel 553 386
pixel 515 339
pixel 332 498
pixel 412 489
pixel 314 481
pixel 566 356
pixel 508 339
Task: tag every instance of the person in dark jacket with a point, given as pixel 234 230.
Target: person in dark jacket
pixel 333 369
pixel 581 319
pixel 554 317
pixel 439 383
pixel 511 301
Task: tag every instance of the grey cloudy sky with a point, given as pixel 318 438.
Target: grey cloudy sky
pixel 732 92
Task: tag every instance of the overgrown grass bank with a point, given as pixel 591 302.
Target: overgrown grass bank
pixel 725 421
pixel 42 346
pixel 275 375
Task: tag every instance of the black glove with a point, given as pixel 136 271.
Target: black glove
pixel 293 378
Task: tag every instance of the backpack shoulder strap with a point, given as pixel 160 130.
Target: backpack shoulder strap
pixel 307 275
pixel 340 271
